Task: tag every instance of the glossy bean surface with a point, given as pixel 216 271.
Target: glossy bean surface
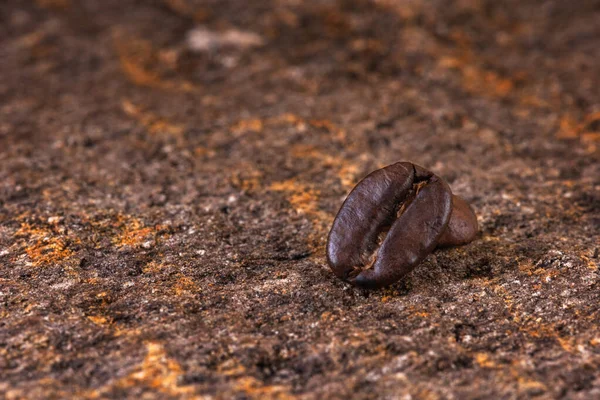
pixel 391 221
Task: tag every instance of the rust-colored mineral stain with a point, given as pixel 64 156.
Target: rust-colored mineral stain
pixel 139 59
pixel 157 371
pixel 132 232
pixel 45 246
pixel 151 122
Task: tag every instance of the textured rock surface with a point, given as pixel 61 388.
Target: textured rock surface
pixel 169 171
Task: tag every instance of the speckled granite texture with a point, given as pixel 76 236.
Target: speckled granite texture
pixel 169 170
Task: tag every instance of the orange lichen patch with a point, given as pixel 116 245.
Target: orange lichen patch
pixel 141 63
pixel 591 119
pixel 247 177
pixel 152 267
pixel 202 151
pixel 591 137
pixel 32 39
pixel 530 269
pixel 99 320
pixel 257 125
pixel 56 4
pixel 151 122
pixel 515 373
pixel 45 388
pixel 327 316
pixel 389 294
pixel 568 344
pixel 587 131
pixel 591 264
pixel 526 267
pixel 347 174
pixel 535 328
pixel 568 128
pixel 545 274
pixel 231 367
pixel 302 197
pixel 133 232
pixel 126 332
pixel 247 125
pixel 45 246
pixel 532 101
pixel 133 237
pixel 347 171
pixel 484 361
pixel 417 311
pixel 288 119
pixel 102 295
pixel 305 200
pixel 255 389
pixel 48 251
pixel 308 151
pixel 329 126
pixel 185 285
pixel 529 385
pixel 476 79
pixel 182 284
pixel 156 372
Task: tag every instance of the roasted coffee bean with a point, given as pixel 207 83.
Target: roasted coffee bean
pixel 462 227
pixel 391 221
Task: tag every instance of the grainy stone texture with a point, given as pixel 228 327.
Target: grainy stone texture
pixel 169 171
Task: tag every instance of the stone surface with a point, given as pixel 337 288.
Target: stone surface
pixel 164 205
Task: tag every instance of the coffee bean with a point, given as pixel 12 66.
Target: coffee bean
pixel 462 227
pixel 391 221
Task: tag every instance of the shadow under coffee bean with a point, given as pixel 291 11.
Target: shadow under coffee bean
pixel 391 221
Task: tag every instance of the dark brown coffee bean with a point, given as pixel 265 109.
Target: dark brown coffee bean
pixel 391 221
pixel 462 227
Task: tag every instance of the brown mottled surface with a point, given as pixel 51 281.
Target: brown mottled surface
pixel 169 171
